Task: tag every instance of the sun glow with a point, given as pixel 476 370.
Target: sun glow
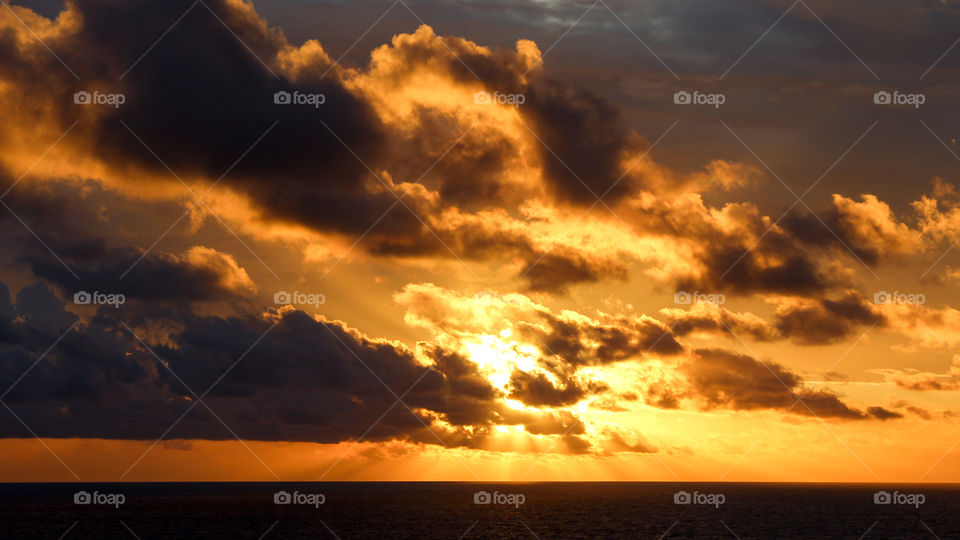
pixel 497 358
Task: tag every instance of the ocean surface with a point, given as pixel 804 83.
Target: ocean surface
pixel 452 510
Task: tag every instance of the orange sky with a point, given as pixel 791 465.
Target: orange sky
pixel 455 265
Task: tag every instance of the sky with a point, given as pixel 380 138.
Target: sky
pixel 429 240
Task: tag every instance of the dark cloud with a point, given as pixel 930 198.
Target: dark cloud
pixel 554 271
pixel 575 444
pixel 550 269
pixel 54 211
pixel 703 318
pixel 553 423
pixel 585 141
pixel 924 381
pixel 469 399
pixel 771 266
pixel 585 342
pixel 582 137
pixel 201 274
pixel 835 376
pixel 304 380
pixel 927 382
pixel 538 390
pixel 200 99
pixel 883 414
pixel 922 413
pixel 463 376
pixel 735 250
pixel 842 233
pixel 201 112
pixel 726 380
pixel 86 260
pixel 661 396
pixel 824 321
pixel 467 168
pixel 615 444
pixel 818 321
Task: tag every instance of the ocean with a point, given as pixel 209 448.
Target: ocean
pixel 453 510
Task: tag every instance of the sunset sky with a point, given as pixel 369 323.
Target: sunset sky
pixel 483 240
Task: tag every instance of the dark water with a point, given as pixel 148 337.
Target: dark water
pixel 447 510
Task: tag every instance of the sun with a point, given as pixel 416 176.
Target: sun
pixel 497 357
